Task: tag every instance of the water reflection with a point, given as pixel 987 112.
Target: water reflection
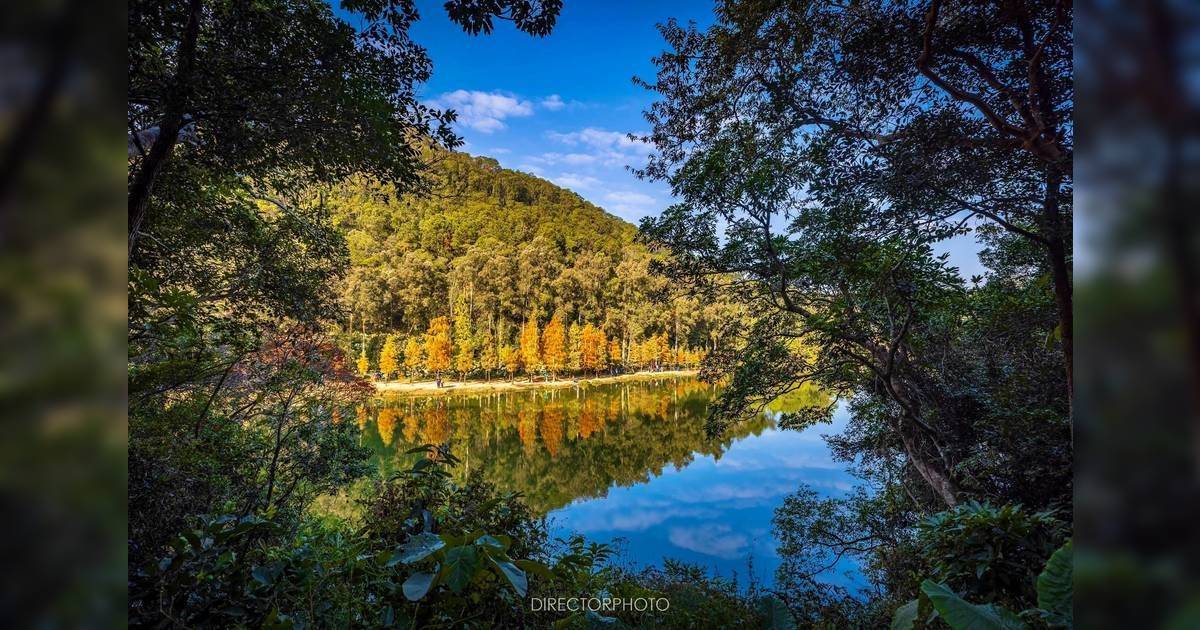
pixel 631 462
pixel 558 446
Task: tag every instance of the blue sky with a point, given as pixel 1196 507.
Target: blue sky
pixel 561 107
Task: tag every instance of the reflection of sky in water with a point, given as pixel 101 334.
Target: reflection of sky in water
pixel 717 512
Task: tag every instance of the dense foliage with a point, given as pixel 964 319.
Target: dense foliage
pixel 820 153
pixel 520 268
pixel 426 552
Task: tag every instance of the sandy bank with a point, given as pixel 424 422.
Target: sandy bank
pixel 430 388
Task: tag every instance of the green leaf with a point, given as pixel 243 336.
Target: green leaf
pixel 277 621
pixel 417 548
pixel 263 575
pixel 515 576
pixel 1054 336
pixel 417 585
pixel 905 616
pixel 461 563
pixel 534 567
pixel 775 613
pixel 963 615
pixel 490 541
pixel 1054 591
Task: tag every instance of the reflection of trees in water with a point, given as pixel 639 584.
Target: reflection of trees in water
pixel 559 445
pixel 386 421
pixel 552 429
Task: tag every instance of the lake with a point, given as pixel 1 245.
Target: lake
pixel 628 462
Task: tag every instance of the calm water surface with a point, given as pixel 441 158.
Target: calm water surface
pixel 628 462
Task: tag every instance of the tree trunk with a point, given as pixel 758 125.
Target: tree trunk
pixel 175 106
pixel 1060 274
pixel 932 471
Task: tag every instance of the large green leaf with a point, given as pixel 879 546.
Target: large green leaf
pixel 1054 593
pixel 417 585
pixel 515 576
pixel 963 615
pixel 461 563
pixel 776 615
pixel 417 548
pixel 534 567
pixel 905 616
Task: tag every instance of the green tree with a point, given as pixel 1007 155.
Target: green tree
pixel 575 347
pixel 328 99
pixel 951 115
pixel 464 359
pixel 488 358
pixel 531 352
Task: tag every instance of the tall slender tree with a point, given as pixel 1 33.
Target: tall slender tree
pixel 554 347
pixel 389 361
pixel 438 346
pixel 414 357
pixel 531 352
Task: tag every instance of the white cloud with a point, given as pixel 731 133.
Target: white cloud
pixel 484 112
pixel 601 139
pixel 533 168
pixel 711 540
pixel 630 204
pixel 500 151
pixel 611 148
pixel 626 196
pixel 573 159
pixel 576 181
pixel 553 102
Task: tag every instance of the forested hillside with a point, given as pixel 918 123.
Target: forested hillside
pixel 493 250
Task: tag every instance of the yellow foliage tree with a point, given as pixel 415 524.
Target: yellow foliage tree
pixel 363 363
pixel 413 357
pixel 437 346
pixel 464 361
pixel 389 360
pixel 614 352
pixel 663 350
pixel 511 359
pixel 531 352
pixel 554 346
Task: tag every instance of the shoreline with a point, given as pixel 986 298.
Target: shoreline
pixel 430 388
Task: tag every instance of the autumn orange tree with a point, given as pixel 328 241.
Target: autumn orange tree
pixel 554 347
pixel 437 346
pixel 614 353
pixel 413 357
pixel 389 361
pixel 592 348
pixel 531 353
